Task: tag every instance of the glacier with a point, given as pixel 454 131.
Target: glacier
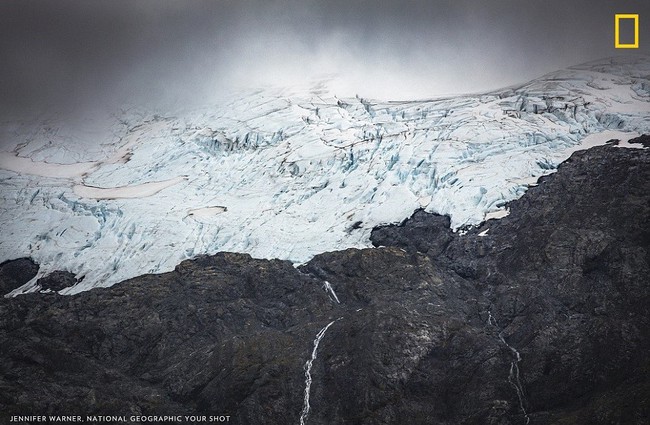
pixel 292 172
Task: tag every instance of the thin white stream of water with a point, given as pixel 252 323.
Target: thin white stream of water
pixel 513 376
pixel 308 365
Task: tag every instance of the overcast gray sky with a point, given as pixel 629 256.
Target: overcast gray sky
pixel 82 53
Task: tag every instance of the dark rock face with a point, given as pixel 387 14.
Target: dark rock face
pixel 423 232
pixel 566 275
pixel 15 273
pixel 57 280
pixel 545 319
pixel 643 140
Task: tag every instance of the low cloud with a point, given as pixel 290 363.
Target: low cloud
pixel 74 55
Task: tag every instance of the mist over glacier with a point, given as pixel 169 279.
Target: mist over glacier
pixel 83 60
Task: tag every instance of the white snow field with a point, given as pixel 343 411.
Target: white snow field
pixel 290 173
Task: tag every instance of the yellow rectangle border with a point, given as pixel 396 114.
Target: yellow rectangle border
pixel 617 20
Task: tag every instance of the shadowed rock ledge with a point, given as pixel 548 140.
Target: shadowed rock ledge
pixel 543 319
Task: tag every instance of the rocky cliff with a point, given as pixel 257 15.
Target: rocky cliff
pixel 540 317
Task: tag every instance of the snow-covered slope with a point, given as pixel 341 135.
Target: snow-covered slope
pixel 291 173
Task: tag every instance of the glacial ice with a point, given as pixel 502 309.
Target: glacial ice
pixel 290 173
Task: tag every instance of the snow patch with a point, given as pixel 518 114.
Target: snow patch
pixel 11 162
pixel 600 139
pixel 497 214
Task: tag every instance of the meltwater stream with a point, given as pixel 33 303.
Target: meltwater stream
pixel 308 365
pixel 330 292
pixel 513 375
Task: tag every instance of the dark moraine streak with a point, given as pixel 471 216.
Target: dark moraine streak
pixel 545 320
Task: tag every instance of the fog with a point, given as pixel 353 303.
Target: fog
pixel 76 56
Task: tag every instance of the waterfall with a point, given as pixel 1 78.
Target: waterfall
pixel 330 291
pixel 513 375
pixel 308 364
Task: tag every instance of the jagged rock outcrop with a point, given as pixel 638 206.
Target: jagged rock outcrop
pixel 643 140
pixel 15 273
pixel 56 281
pixel 543 319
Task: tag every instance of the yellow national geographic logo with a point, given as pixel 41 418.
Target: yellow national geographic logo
pixel 617 31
